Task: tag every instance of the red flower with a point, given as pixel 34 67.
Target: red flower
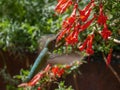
pixel 67 66
pixel 89 49
pixel 63 5
pixel 39 88
pixel 35 79
pixel 88 43
pixel 47 68
pixel 57 71
pixel 84 16
pixel 109 57
pixel 101 18
pixel 62 33
pixel 84 45
pixel 91 4
pixel 85 13
pixel 70 20
pixel 87 24
pixel 72 38
pixel 105 32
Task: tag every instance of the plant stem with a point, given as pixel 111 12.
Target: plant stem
pixel 112 69
pixel 114 40
pixel 75 81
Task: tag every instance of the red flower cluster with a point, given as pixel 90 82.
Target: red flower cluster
pixel 71 26
pixel 72 38
pixel 109 57
pixel 78 22
pixel 68 23
pixel 57 71
pixel 88 44
pixel 102 19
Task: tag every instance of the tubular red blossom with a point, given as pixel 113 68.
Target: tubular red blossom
pixel 67 66
pixel 72 38
pixel 101 18
pixel 39 88
pixel 89 49
pixel 35 79
pixel 62 33
pixel 63 5
pixel 84 16
pixel 74 10
pixel 23 85
pixel 77 27
pixel 38 76
pixel 85 13
pixel 109 57
pixel 61 72
pixel 47 68
pixel 57 71
pixel 84 45
pixel 69 2
pixel 105 32
pixel 88 43
pixel 87 24
pixel 88 6
pixel 70 20
pixel 69 39
pixel 60 3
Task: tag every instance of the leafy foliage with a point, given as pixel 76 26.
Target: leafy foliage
pixel 23 22
pixel 63 87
